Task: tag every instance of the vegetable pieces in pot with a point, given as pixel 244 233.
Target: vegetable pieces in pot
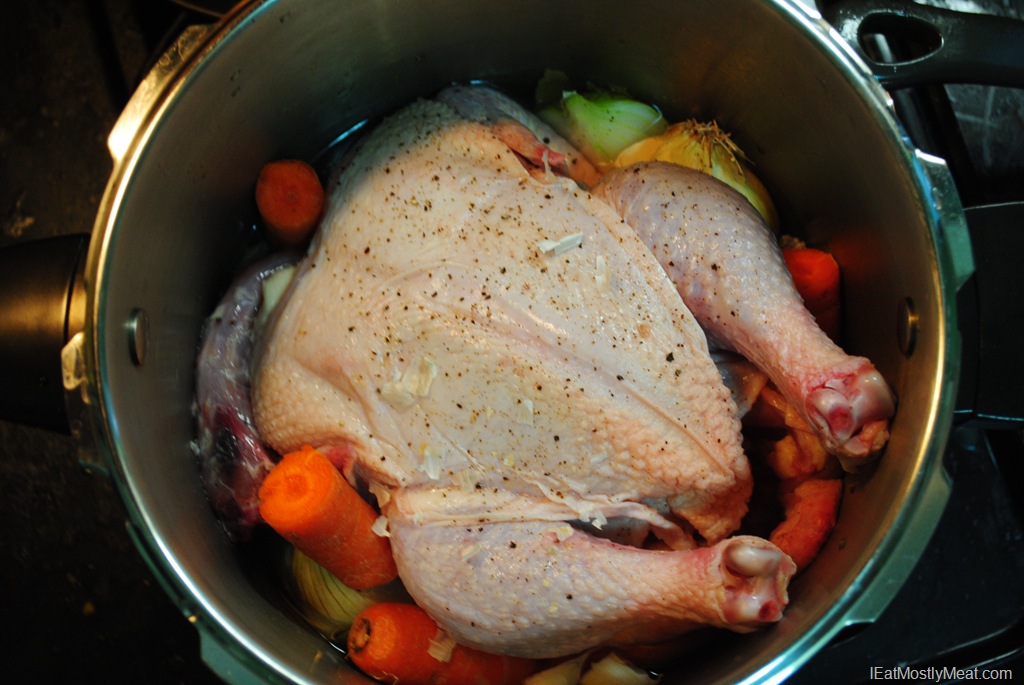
pixel 705 147
pixel 325 602
pixel 599 123
pixel 290 200
pixel 400 643
pixel 816 277
pixel 307 500
pixel 588 669
pixel 808 486
pixel 613 130
pixel 338 553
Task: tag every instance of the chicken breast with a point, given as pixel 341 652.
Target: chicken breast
pixel 498 355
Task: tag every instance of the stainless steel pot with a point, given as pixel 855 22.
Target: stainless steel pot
pixel 287 77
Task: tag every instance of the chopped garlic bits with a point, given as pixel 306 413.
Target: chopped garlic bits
pixel 524 412
pixel 601 275
pixel 432 459
pixel 470 551
pixel 380 527
pixel 560 246
pixel 563 532
pixel 413 384
pixel 441 646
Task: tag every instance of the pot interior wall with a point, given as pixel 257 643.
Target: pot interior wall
pixel 286 78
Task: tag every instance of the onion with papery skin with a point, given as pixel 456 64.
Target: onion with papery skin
pixel 705 147
pixel 564 673
pixel 611 669
pixel 326 603
pixel 600 124
pixel 614 670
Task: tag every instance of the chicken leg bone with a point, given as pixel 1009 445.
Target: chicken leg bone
pixel 547 589
pixel 729 271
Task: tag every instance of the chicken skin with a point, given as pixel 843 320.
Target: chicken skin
pixel 729 270
pixel 503 362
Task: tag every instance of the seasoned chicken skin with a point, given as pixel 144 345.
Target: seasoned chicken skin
pixel 541 590
pixel 729 270
pixel 497 354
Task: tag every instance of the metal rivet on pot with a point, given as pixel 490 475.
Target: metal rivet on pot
pixel 138 336
pixel 907 323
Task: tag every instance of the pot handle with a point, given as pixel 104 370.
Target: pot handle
pixel 991 314
pixel 42 307
pixel 980 248
pixel 930 45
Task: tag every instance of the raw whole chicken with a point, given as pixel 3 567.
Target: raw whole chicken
pixel 500 358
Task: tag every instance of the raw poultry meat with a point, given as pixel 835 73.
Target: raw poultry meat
pixel 232 457
pixel 729 270
pixel 432 332
pixel 540 589
pixel 507 366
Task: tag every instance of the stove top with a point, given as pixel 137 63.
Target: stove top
pixel 963 605
pixel 78 601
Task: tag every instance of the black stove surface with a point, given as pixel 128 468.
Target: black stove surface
pixel 963 605
pixel 78 601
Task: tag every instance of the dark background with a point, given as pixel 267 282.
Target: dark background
pixel 78 604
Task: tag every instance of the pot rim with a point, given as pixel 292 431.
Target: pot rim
pixel 226 646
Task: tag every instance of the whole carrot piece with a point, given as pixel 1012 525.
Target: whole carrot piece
pixel 290 200
pixel 391 642
pixel 307 500
pixel 816 277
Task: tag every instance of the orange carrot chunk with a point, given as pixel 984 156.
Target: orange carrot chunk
pixel 816 277
pixel 290 200
pixel 810 507
pixel 393 643
pixel 309 503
